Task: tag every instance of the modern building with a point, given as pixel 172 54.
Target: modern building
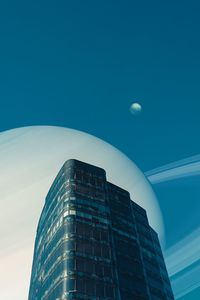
pixel 94 242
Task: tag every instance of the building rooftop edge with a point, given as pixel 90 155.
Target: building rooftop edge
pixel 75 162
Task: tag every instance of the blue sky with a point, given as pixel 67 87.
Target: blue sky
pixel 80 64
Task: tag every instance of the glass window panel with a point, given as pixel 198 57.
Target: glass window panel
pixel 70 264
pixel 70 284
pixel 100 289
pixel 104 235
pixel 99 270
pixel 96 234
pixel 80 286
pixel 70 245
pixel 90 287
pixel 97 249
pixel 92 180
pixel 89 266
pixel 107 271
pixel 105 251
pixel 71 227
pixel 80 263
pixel 88 248
pixel 80 246
pixel 80 229
pixel 109 291
pixel 88 231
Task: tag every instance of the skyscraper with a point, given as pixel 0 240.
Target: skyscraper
pixel 94 242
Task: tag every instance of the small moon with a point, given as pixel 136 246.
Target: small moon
pixel 135 108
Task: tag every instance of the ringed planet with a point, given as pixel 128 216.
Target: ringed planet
pixel 30 158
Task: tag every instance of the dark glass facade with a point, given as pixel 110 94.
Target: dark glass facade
pixel 93 242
